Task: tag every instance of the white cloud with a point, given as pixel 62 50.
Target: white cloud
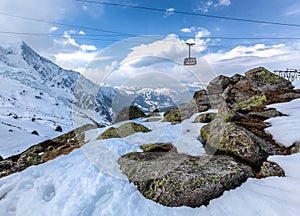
pixel 164 57
pixel 206 5
pixel 188 30
pixel 73 55
pixel 200 39
pixel 79 59
pixel 53 29
pixel 243 58
pixel 86 48
pixel 170 47
pixel 69 40
pixel 64 51
pixel 169 11
pixel 202 33
pixel 223 3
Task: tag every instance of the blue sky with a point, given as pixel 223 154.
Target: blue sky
pixel 76 47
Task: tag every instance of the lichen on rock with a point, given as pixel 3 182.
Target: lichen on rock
pixel 158 147
pixel 205 117
pixel 174 179
pixel 269 169
pixel 263 80
pixel 124 130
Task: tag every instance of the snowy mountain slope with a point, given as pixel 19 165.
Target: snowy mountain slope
pixel 88 181
pixel 36 94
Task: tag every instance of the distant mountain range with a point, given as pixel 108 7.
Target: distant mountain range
pixel 147 99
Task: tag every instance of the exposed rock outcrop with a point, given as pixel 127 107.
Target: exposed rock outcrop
pixel 35 133
pixel 174 179
pixel 258 87
pixel 58 129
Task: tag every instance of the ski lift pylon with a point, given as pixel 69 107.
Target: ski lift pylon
pixel 190 60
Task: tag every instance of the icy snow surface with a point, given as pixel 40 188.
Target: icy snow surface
pixel 88 182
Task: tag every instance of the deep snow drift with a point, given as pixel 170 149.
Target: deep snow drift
pixel 88 180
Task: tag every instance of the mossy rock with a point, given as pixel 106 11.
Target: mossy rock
pixel 270 169
pixel 173 115
pixel 158 147
pixel 124 130
pixel 129 113
pixel 46 150
pixel 254 101
pixel 174 179
pixel 205 118
pixel 222 137
pixel 263 80
pixel 204 133
pixel 184 111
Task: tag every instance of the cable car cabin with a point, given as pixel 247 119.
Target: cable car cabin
pixel 189 61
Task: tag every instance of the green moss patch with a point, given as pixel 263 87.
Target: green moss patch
pixel 123 131
pixel 253 101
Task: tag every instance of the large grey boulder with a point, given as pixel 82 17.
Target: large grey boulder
pixel 174 179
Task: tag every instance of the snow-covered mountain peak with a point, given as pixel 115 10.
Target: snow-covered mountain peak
pixel 33 87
